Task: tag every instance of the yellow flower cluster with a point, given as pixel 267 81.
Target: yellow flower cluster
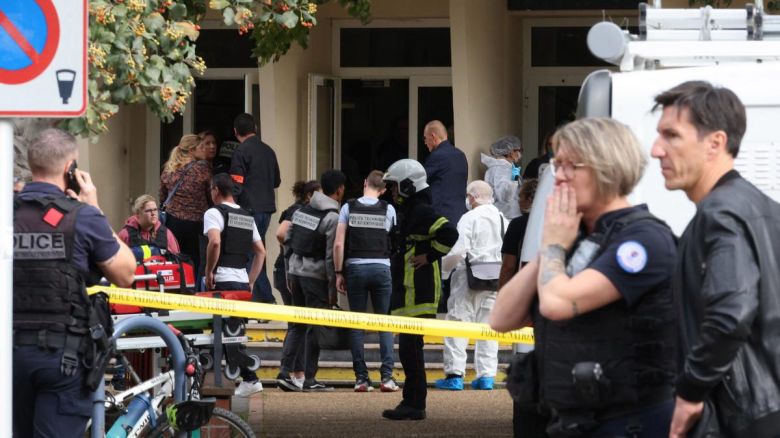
pixel 311 8
pixel 198 64
pixel 96 55
pixel 137 5
pixel 243 15
pixel 173 34
pixel 139 29
pixel 104 16
pixel 166 93
pixel 108 77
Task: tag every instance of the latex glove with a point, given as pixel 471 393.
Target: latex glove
pixel 515 173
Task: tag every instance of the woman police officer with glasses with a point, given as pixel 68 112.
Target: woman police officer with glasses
pixel 598 295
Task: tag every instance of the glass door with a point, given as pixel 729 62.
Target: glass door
pixel 430 98
pixel 548 104
pixel 324 147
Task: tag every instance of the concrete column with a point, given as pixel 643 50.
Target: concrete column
pixel 479 76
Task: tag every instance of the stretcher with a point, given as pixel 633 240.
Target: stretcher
pixel 231 344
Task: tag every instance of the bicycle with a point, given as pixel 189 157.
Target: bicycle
pixel 146 409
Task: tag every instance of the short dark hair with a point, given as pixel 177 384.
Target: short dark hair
pixel 710 109
pixel 223 183
pixel 244 124
pixel 331 180
pixel 376 180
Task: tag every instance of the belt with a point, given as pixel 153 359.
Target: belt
pixel 42 338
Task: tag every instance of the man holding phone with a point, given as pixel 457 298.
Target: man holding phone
pixel 62 244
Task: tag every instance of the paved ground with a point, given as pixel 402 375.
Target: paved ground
pixel 274 413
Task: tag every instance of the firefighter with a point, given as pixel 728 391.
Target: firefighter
pixel 425 237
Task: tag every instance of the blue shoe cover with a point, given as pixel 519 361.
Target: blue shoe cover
pixel 484 382
pixel 451 383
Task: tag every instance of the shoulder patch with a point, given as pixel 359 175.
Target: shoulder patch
pixel 632 256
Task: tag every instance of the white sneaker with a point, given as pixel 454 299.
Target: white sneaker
pixel 246 389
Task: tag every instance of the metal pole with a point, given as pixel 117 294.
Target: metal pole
pixel 217 331
pixel 6 271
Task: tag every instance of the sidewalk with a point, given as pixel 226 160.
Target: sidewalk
pixel 344 413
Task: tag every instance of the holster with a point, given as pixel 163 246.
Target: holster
pixel 522 381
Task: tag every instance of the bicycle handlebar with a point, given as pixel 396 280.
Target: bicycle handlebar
pixel 177 354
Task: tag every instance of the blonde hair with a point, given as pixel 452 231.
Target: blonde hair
pixel 609 149
pixel 181 155
pixel 138 204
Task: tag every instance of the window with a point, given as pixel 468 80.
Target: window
pixel 224 48
pixel 547 5
pixel 395 47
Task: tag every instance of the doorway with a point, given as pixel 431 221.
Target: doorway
pixel 374 127
pixel 556 63
pixel 360 125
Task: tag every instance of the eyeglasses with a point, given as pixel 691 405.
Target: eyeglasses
pixel 151 211
pixel 567 167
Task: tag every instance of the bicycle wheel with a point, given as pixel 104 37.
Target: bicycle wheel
pixel 224 422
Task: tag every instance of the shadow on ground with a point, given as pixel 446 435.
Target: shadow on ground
pixel 274 413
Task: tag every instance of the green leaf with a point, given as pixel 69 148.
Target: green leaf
pixel 177 12
pixel 122 94
pixel 181 71
pixel 229 16
pixel 120 11
pixel 154 22
pixel 289 19
pixel 153 73
pixel 219 4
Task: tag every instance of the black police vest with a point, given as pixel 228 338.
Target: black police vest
pixel 308 238
pixel 367 236
pixel 49 292
pixel 624 357
pixel 236 237
pixel 160 239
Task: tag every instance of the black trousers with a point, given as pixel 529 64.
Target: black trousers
pixel 410 351
pixel 314 293
pixel 188 234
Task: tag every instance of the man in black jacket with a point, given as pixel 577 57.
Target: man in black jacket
pixel 727 281
pixel 255 171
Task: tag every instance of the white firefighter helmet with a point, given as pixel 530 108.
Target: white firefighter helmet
pixel 409 175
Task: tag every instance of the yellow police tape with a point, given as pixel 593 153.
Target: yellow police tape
pixel 335 318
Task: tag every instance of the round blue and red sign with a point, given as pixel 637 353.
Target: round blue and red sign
pixel 29 36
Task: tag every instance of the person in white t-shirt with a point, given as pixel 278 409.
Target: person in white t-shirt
pixel 232 235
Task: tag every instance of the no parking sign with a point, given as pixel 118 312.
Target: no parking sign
pixel 43 58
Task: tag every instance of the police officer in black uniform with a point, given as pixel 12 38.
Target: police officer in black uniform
pixel 62 243
pixel 599 294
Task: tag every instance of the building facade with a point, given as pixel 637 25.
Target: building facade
pixel 359 96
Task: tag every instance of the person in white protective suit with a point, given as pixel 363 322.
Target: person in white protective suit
pixel 503 174
pixel 481 232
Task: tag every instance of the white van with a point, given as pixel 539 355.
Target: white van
pixel 670 50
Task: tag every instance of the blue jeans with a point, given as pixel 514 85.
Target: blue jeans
pixel 261 293
pixel 653 421
pixel 363 281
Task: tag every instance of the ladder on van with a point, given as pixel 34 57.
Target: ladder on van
pixel 689 37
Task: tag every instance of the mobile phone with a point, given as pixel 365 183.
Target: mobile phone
pixel 72 182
